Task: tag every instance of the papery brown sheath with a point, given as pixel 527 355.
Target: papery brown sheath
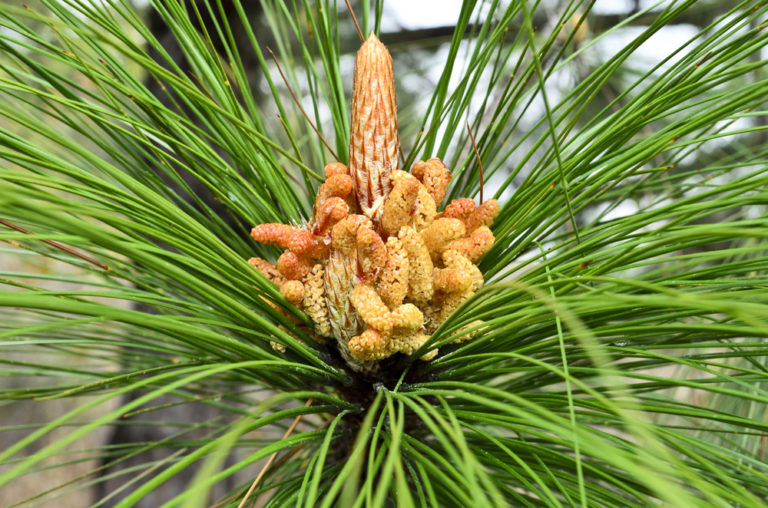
pixel 373 141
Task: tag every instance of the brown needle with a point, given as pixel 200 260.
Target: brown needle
pixel 479 162
pixel 296 100
pixel 352 13
pixel 60 246
pixel 271 457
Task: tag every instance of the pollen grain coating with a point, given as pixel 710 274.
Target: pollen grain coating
pixel 377 268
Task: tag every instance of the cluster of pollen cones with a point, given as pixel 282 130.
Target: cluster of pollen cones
pixel 378 268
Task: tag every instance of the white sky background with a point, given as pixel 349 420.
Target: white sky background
pixel 415 14
pixel 421 14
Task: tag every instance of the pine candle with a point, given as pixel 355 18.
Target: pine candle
pixel 378 269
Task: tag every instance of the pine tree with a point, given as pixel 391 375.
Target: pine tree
pixel 618 342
